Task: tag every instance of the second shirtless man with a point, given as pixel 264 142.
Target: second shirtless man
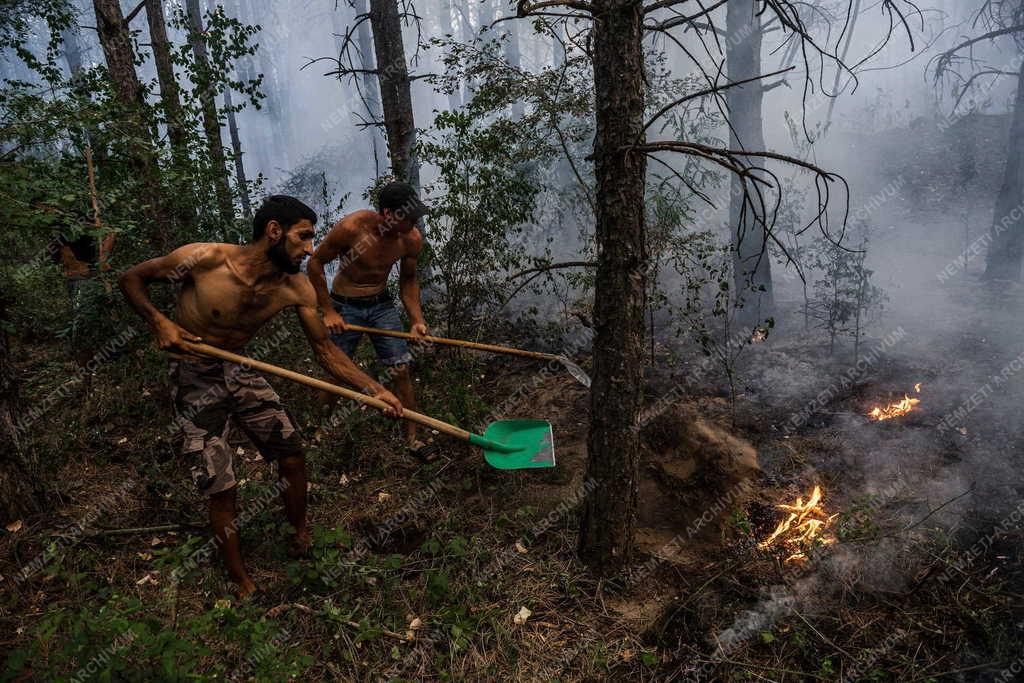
pixel 368 244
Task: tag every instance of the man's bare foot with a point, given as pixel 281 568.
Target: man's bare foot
pixel 245 589
pixel 299 545
pixel 426 453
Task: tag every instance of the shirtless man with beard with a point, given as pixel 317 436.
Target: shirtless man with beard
pixel 227 293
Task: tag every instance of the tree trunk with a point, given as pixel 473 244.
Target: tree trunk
pixel 208 106
pixel 170 93
pixel 395 92
pixel 369 88
pixel 609 512
pixel 120 57
pixel 236 152
pixel 445 18
pixel 72 48
pixel 1003 261
pixel 18 487
pixel 751 262
pixel 468 34
pixel 512 56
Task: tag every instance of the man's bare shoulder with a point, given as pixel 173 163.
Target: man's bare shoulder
pixel 413 241
pixel 300 290
pixel 357 222
pixel 203 255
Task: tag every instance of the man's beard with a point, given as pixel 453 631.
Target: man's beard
pixel 279 257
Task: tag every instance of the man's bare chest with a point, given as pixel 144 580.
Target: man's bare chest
pixel 219 299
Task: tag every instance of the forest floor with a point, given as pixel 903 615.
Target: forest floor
pixel 454 571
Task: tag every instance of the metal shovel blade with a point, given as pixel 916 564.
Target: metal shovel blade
pixel 576 371
pixel 517 444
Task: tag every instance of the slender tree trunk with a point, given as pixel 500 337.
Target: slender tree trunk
pixel 236 153
pixel 445 18
pixel 609 512
pixel 468 34
pixel 120 57
pixel 395 91
pixel 208 106
pixel 751 262
pixel 369 87
pixel 170 93
pixel 1003 261
pixel 18 485
pixel 72 48
pixel 513 57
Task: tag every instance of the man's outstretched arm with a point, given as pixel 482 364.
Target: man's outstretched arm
pixel 409 289
pixel 173 267
pixel 328 250
pixel 336 362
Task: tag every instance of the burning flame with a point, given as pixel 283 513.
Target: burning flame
pixel 896 409
pixel 803 526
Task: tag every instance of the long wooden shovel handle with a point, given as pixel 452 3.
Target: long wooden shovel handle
pixel 494 348
pixel 412 415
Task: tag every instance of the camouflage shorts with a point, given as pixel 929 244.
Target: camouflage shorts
pixel 206 394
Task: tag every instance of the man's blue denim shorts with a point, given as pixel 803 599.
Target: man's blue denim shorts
pixel 377 311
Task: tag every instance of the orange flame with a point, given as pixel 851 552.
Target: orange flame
pixel 804 525
pixel 897 409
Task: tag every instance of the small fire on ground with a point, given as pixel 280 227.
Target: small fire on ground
pixel 897 409
pixel 803 526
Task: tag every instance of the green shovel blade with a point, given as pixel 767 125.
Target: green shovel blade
pixel 517 444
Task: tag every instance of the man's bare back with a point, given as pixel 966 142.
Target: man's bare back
pixel 367 250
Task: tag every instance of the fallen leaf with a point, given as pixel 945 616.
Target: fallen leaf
pixel 122 441
pixel 383 497
pixel 521 616
pixel 240 451
pixel 520 548
pixel 145 556
pixel 145 579
pixel 223 603
pixel 416 623
pixel 15 527
pixel 344 480
pixel 155 541
pixel 627 655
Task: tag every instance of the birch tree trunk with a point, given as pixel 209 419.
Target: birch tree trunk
pixel 445 18
pixel 208 107
pixel 751 262
pixel 609 512
pixel 395 90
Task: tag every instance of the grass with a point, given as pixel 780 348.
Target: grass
pixel 417 572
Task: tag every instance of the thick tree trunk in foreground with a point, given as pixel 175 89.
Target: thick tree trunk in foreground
pixel 751 262
pixel 395 91
pixel 1003 261
pixel 120 57
pixel 211 122
pixel 17 485
pixel 609 512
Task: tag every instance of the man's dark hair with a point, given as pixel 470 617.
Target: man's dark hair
pixel 281 208
pixel 401 197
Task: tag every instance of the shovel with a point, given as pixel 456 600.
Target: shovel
pixel 574 370
pixel 507 444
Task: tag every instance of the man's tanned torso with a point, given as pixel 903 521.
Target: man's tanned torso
pixel 368 252
pixel 217 302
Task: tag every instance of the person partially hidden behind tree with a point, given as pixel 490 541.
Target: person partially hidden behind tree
pixel 367 245
pixel 227 293
pixel 81 259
